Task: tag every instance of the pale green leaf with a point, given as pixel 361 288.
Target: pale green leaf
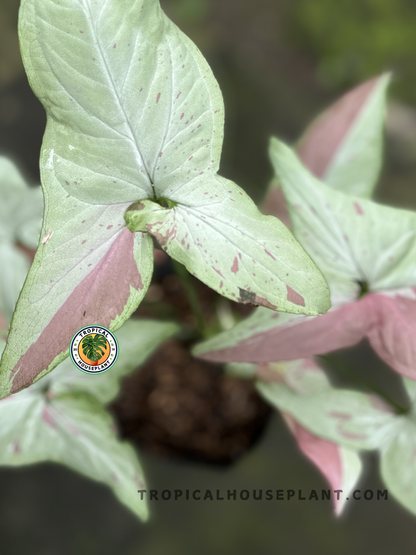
pixel 221 238
pixel 353 241
pixel 347 236
pixel 134 113
pixel 73 430
pixel 122 84
pixel 349 418
pixel 398 463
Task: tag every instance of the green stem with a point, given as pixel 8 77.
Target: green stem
pixel 192 296
pixel 339 366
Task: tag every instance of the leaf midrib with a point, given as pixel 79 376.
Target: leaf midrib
pixel 95 34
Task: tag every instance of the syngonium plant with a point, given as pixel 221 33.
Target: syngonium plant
pixel 366 252
pixel 131 151
pixel 63 417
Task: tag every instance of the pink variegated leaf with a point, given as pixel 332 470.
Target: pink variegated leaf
pixel 342 146
pixel 394 336
pixel 350 237
pixel 85 272
pixel 340 466
pixel 349 418
pixel 134 114
pixel 353 241
pixel 267 338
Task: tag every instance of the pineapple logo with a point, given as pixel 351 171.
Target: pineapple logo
pixel 94 349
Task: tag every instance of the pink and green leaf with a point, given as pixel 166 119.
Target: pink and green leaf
pixel 348 418
pixel 393 336
pixel 262 338
pixel 340 466
pixel 134 114
pixel 61 418
pixel 101 285
pixel 349 237
pixel 342 146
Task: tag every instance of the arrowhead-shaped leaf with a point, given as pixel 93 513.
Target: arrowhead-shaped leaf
pixel 340 466
pixel 134 113
pixel 353 241
pixel 347 418
pixel 349 237
pixel 74 430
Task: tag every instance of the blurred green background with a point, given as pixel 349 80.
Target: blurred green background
pixel 278 62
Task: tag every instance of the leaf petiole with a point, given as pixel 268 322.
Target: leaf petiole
pixel 192 296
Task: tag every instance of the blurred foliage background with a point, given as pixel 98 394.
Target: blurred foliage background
pixel 279 63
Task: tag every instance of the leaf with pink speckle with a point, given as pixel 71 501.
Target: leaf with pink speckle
pixel 353 238
pixel 224 240
pixel 134 115
pixel 353 241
